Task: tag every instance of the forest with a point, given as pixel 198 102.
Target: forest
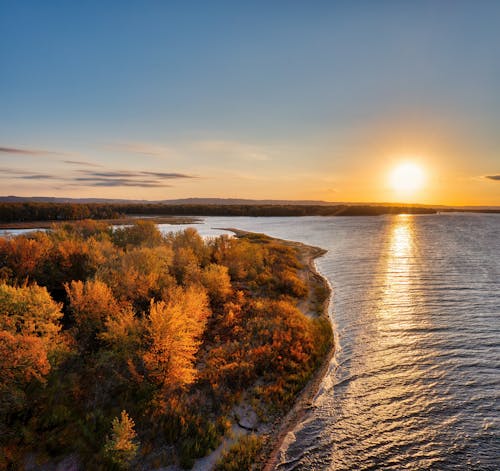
pixel 125 348
pixel 28 211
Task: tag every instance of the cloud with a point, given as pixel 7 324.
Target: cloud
pixel 81 162
pixel 13 171
pixel 123 178
pixel 231 149
pixel 37 176
pixel 144 179
pixel 114 182
pixel 24 174
pixel 18 150
pixel 168 175
pixel 142 148
pixel 139 174
pixel 492 177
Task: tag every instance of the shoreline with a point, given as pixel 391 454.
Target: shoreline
pixel 286 423
pixel 174 220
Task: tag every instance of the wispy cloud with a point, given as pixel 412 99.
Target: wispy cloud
pixel 141 148
pixel 24 174
pixel 111 178
pixel 114 182
pixel 144 179
pixel 492 177
pixel 23 151
pixel 139 174
pixel 37 176
pixel 232 149
pixel 82 163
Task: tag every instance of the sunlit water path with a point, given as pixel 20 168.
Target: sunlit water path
pixel 415 383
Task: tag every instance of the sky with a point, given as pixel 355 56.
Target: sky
pixel 263 99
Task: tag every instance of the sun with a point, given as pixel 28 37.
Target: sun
pixel 407 177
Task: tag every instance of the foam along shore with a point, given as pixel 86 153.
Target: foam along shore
pixel 315 305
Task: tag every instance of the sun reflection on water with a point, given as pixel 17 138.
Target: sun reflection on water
pixel 398 267
pixel 401 237
pixel 386 369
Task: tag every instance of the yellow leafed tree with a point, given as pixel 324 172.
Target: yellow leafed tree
pixel 175 329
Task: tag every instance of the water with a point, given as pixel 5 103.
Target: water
pixel 15 232
pixel 415 381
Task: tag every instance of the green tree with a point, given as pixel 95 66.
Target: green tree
pixel 121 447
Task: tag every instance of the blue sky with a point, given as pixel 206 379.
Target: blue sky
pixel 282 99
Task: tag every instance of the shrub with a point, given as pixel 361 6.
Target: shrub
pixel 241 456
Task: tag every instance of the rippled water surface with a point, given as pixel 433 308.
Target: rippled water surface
pixel 415 382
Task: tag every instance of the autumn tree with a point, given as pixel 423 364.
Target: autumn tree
pixel 243 258
pixel 29 326
pixel 91 304
pixel 189 238
pixel 121 446
pixel 215 279
pixel 139 274
pixel 23 359
pixel 122 330
pixel 174 329
pixel 141 233
pixel 186 266
pixel 21 256
pixel 29 310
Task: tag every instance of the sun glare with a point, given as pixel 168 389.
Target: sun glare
pixel 407 177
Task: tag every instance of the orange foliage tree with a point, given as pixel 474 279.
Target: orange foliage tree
pixel 174 329
pixel 29 326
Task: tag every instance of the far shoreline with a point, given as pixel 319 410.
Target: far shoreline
pixel 174 220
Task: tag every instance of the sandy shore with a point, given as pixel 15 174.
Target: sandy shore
pixel 285 424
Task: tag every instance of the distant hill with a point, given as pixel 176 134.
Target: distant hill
pixel 217 201
pixel 231 201
pixel 50 199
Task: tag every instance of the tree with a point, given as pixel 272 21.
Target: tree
pixel 186 266
pixel 23 359
pixel 189 238
pixel 215 279
pixel 29 325
pixel 174 329
pixel 121 447
pixel 29 310
pixel 139 274
pixel 142 233
pixel 122 331
pixel 91 304
pixel 22 255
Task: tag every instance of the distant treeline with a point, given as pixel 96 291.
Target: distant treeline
pixel 23 212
